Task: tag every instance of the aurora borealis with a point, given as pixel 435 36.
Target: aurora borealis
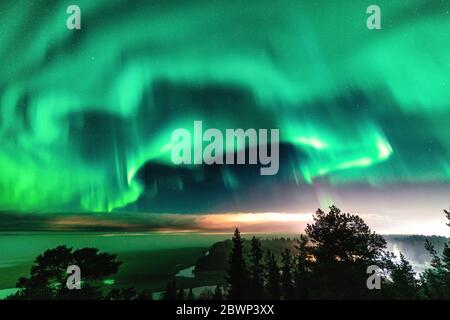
pixel 86 115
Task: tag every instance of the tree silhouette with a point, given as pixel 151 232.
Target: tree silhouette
pixel 273 277
pixel 256 269
pixel 343 248
pixel 122 294
pixel 190 295
pixel 404 284
pixel 180 294
pixel 171 291
pixel 218 295
pixel 237 273
pixel 303 268
pixel 344 237
pixel 447 215
pixel 206 294
pixel 145 295
pixel 48 274
pixel 436 279
pixel 286 275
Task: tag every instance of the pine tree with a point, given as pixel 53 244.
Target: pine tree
pixel 344 237
pixel 286 276
pixel 404 284
pixel 302 271
pixel 446 269
pixel 48 275
pixel 435 259
pixel 190 295
pixel 273 277
pixel 171 291
pixel 436 280
pixel 432 278
pixel 256 270
pixel 446 257
pixel 343 248
pixel 237 273
pixel 206 294
pixel 447 215
pixel 218 295
pixel 446 252
pixel 145 295
pixel 180 294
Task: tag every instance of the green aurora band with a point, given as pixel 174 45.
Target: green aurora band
pixel 81 112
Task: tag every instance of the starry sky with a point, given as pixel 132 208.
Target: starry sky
pixel 86 115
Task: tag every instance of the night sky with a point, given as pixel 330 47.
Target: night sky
pixel 86 115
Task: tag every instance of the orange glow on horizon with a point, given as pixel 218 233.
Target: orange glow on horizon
pixel 267 222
